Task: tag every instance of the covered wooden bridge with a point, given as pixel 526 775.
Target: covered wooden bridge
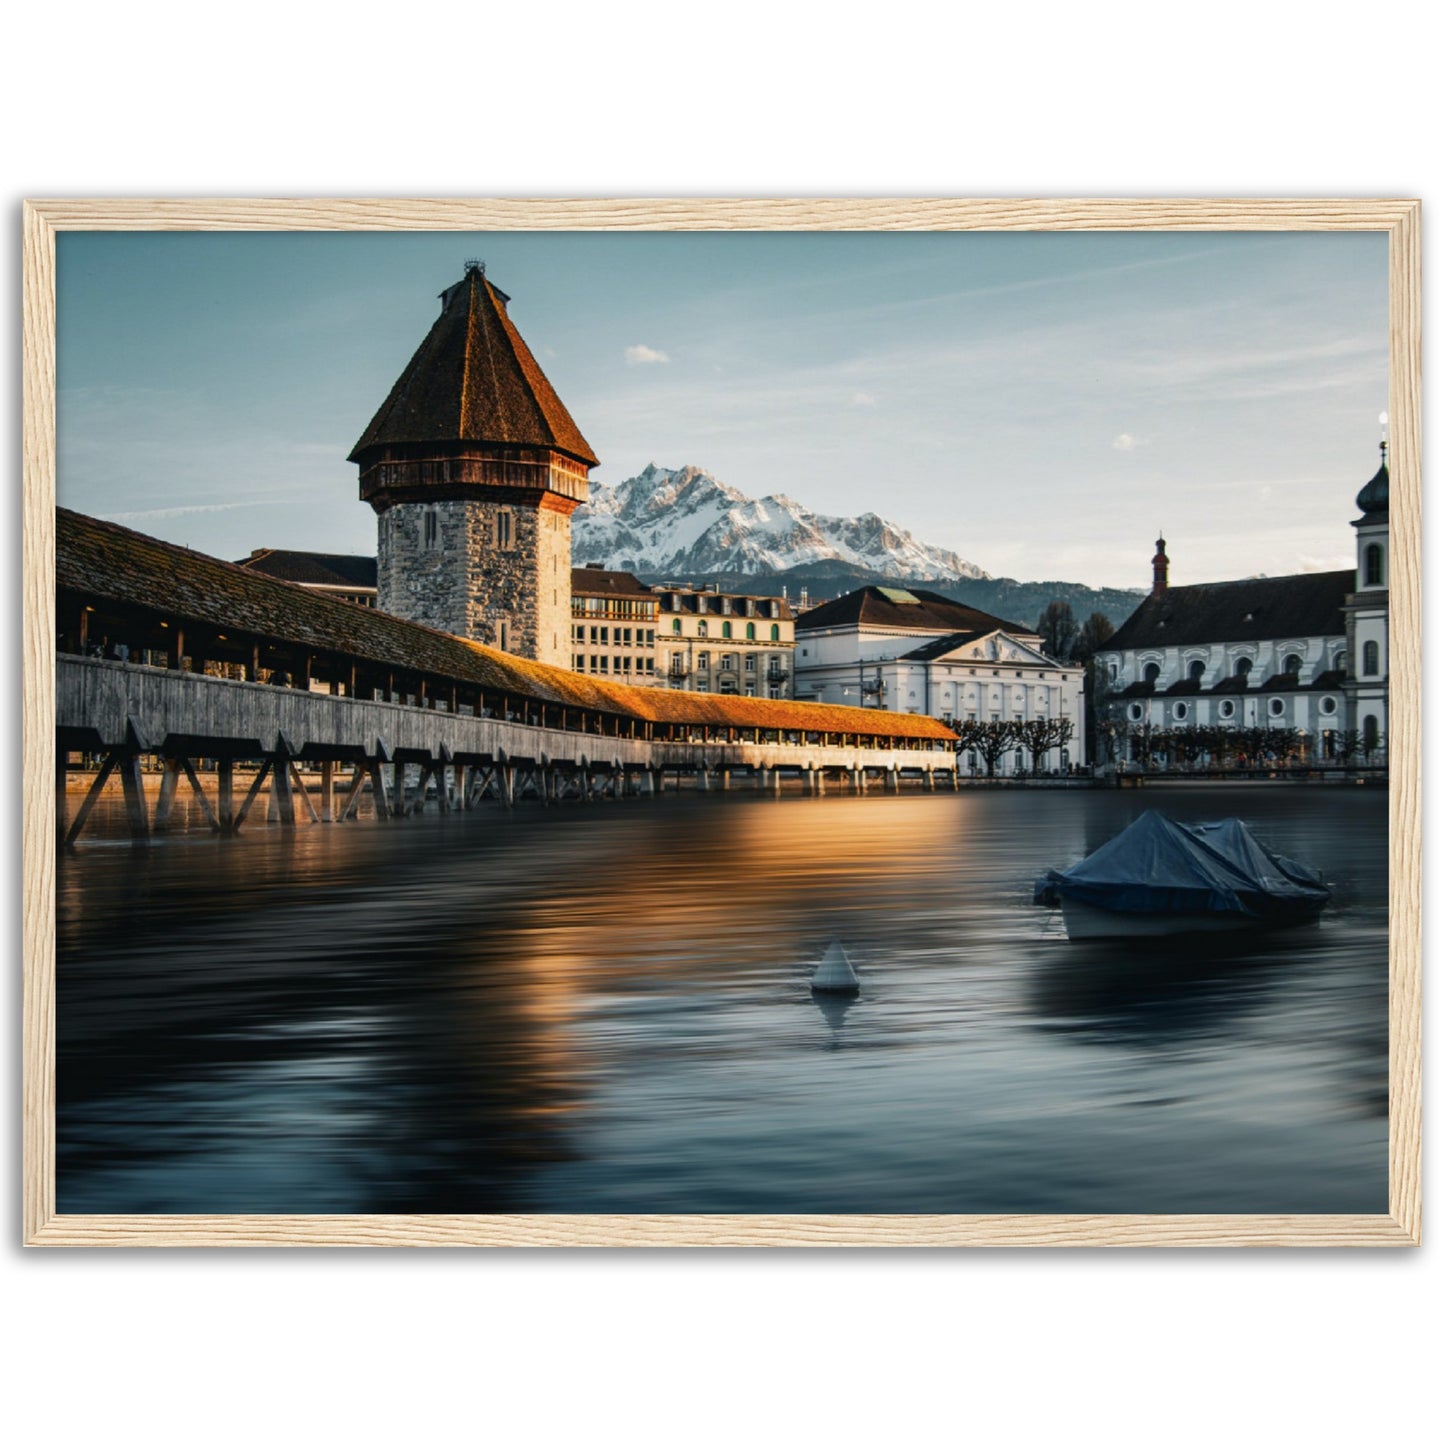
pixel 167 654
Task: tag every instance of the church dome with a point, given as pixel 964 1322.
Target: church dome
pixel 1375 495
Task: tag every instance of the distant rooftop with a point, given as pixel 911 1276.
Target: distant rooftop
pixel 313 569
pixel 908 611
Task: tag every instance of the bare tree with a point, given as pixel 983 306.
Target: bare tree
pixel 1058 630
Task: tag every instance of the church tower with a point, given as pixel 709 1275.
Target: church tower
pixel 1367 620
pixel 474 469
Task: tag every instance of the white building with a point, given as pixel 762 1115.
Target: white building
pixel 919 652
pixel 1306 653
pixel 725 642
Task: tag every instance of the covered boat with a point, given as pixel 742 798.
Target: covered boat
pixel 1162 877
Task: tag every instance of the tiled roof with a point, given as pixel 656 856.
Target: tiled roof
pixel 908 611
pixel 474 380
pixel 318 569
pixel 100 560
pixel 1254 610
pixel 598 582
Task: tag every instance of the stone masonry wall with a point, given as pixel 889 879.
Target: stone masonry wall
pixel 458 579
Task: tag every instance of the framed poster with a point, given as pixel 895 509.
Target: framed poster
pixel 621 823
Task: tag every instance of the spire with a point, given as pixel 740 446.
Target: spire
pixel 474 380
pixel 1161 569
pixel 1374 497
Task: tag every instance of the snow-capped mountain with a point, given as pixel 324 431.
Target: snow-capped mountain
pixel 686 522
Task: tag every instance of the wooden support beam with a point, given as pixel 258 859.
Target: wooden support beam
pixel 398 788
pixel 252 793
pixel 225 781
pixel 380 804
pixel 62 801
pixel 352 800
pixel 328 802
pixel 301 792
pixel 188 768
pixel 133 786
pixel 92 793
pixel 170 776
pixel 285 804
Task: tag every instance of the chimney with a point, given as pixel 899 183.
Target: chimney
pixel 1161 570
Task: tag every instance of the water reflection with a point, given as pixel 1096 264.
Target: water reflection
pixel 608 1009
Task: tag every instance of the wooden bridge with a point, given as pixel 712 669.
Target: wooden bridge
pixel 395 757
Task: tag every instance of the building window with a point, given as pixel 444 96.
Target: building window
pixel 504 634
pixel 1226 709
pixel 676 626
pixel 1241 668
pixel 429 528
pixel 1276 707
pixel 752 632
pixel 1196 672
pixel 1181 711
pixel 727 629
pixel 1293 663
pixel 505 532
pixel 1339 662
pixel 1136 712
pixel 1327 706
pixel 1151 672
pixel 1370 665
pixel 704 661
pixel 750 662
pixel 1374 565
pixel 702 629
pixel 773 634
pixel 1372 733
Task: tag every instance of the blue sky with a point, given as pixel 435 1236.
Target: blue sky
pixel 1042 404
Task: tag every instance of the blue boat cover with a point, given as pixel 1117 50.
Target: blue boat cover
pixel 1157 865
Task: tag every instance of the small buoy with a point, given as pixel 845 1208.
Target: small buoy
pixel 835 974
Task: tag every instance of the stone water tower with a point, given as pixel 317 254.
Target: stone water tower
pixel 474 469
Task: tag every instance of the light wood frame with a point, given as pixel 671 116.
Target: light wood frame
pixel 1400 219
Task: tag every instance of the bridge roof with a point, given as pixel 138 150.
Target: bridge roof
pixel 99 560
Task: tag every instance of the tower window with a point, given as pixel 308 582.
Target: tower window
pixel 1374 565
pixel 1370 663
pixel 429 528
pixel 505 532
pixel 504 634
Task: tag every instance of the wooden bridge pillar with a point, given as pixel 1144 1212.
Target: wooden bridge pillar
pixel 702 779
pixel 328 802
pixel 890 780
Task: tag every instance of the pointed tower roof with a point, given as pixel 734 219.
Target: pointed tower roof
pixel 474 380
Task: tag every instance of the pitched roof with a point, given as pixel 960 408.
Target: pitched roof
pixel 721 604
pixel 318 569
pixel 100 560
pixel 474 380
pixel 599 582
pixel 908 610
pixel 1253 610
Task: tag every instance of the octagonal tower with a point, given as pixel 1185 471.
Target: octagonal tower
pixel 474 469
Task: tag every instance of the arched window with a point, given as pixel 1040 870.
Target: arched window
pixel 1339 662
pixel 1370 664
pixel 1293 663
pixel 1276 707
pixel 752 631
pixel 1181 711
pixel 1226 709
pixel 1374 565
pixel 1136 712
pixel 773 633
pixel 1241 668
pixel 677 626
pixel 1151 672
pixel 1196 671
pixel 702 629
pixel 727 629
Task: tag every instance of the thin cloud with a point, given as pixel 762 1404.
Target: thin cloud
pixel 1124 442
pixel 645 356
pixel 153 513
pixel 863 398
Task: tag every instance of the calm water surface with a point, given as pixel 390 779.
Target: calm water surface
pixel 607 1009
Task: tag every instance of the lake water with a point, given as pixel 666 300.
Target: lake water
pixel 606 1009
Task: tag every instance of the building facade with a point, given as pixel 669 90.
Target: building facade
pixel 919 652
pixel 731 643
pixel 614 626
pixel 1306 655
pixel 474 468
